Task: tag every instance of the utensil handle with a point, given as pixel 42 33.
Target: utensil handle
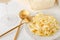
pixel 11 30
pixel 17 33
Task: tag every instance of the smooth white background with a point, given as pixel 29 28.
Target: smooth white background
pixel 9 18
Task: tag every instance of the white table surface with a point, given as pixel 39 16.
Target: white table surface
pixel 9 18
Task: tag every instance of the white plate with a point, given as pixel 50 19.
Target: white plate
pixel 53 12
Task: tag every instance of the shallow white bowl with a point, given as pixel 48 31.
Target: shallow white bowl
pixel 56 35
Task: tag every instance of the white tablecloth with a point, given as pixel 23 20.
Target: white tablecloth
pixel 9 18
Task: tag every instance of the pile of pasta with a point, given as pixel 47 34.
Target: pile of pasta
pixel 43 25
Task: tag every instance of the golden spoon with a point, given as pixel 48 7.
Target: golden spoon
pixel 17 25
pixel 24 15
